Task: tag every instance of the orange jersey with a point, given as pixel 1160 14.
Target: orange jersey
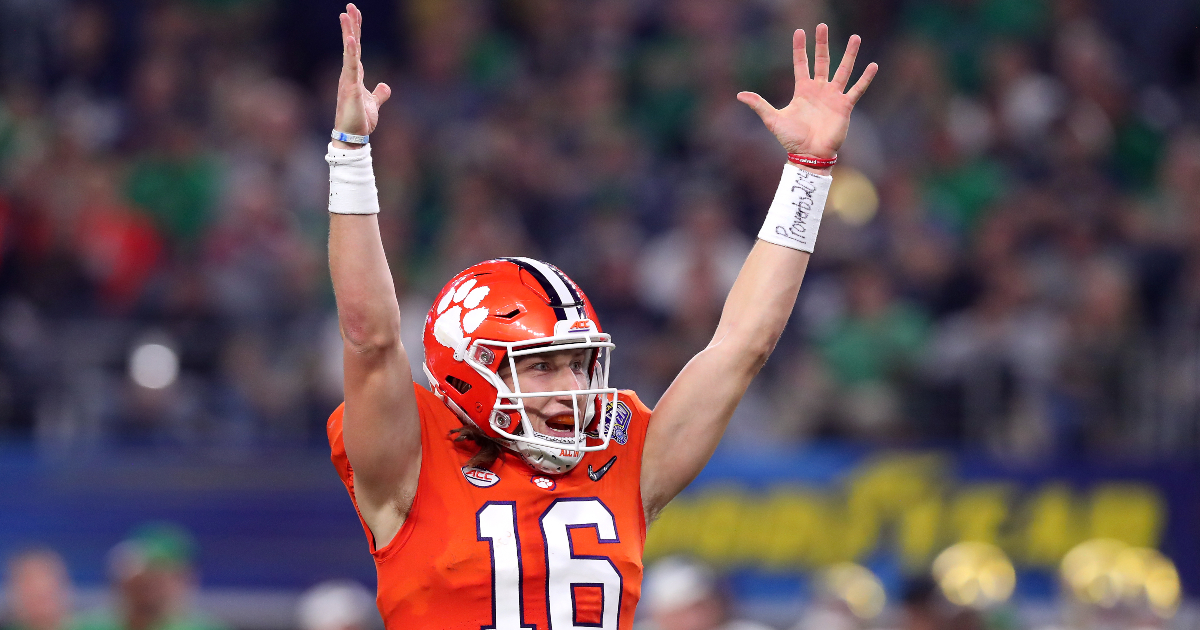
pixel 511 548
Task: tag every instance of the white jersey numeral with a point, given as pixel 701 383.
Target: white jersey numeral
pixel 496 523
pixel 567 570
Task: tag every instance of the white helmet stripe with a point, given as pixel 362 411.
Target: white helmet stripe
pixel 565 293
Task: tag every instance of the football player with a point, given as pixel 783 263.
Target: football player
pixel 516 494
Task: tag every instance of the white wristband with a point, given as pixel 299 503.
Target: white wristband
pixel 351 181
pixel 795 214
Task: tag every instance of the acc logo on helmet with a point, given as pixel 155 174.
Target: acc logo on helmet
pixel 569 326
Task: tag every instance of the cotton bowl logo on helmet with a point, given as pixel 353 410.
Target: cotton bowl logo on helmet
pixel 479 477
pixel 620 417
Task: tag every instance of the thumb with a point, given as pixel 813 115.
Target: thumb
pixel 382 93
pixel 759 105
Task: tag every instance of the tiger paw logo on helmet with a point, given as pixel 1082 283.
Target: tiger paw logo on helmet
pixel 460 314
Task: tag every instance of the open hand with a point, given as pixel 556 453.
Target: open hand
pixel 816 121
pixel 357 109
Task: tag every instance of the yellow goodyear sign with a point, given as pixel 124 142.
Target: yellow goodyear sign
pixel 906 504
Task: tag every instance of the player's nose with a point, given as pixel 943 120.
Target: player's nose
pixel 565 379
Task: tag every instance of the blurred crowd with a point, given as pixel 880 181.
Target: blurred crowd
pixel 1013 264
pixel 153 586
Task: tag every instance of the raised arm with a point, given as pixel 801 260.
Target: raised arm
pixel 691 417
pixel 381 428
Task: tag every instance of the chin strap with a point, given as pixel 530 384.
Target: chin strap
pixel 539 458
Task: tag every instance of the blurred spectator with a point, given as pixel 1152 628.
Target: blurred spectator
pixel 686 274
pixel 998 359
pixel 921 248
pixel 38 591
pixel 337 605
pixel 920 605
pixel 870 352
pixel 118 247
pixel 844 596
pixel 153 583
pixel 679 594
pixel 1104 365
pixel 828 615
pixel 178 187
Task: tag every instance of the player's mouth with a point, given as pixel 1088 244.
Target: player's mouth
pixel 562 425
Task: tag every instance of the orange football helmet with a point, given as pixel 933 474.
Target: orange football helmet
pixel 495 312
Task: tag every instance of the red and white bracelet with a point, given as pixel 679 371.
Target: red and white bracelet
pixel 811 161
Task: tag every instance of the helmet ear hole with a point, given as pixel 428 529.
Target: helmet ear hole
pixel 458 384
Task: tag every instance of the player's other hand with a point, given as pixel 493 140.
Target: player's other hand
pixel 357 109
pixel 816 120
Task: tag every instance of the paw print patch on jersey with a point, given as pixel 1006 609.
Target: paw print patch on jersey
pixel 545 483
pixel 459 314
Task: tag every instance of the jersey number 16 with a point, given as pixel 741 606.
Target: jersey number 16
pixel 496 523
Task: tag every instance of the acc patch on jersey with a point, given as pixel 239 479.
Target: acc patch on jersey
pixel 621 418
pixel 479 477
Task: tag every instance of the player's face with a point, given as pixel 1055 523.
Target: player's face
pixel 551 372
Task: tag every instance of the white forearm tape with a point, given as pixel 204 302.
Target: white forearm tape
pixel 795 214
pixel 351 181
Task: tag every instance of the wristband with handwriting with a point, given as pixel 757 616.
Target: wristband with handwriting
pixel 795 214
